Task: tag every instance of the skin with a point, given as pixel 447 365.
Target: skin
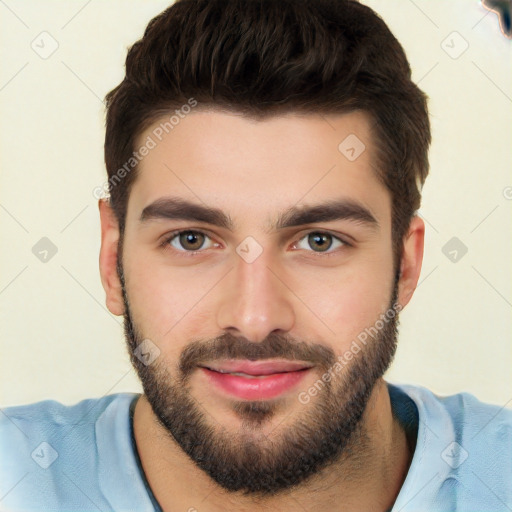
pixel 253 171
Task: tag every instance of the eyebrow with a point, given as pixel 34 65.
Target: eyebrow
pixel 174 208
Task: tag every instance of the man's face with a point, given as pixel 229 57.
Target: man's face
pixel 246 309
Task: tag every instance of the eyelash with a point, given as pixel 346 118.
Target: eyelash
pixel 165 244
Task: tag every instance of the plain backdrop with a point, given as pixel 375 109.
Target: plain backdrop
pixel 57 338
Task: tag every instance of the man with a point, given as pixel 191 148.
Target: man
pixel 265 160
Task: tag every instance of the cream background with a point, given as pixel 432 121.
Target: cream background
pixel 57 339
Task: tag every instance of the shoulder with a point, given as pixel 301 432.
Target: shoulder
pixel 53 412
pixel 47 446
pixel 53 420
pixel 462 459
pixel 466 414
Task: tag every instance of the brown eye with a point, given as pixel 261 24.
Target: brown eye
pixel 188 241
pixel 320 242
pixel 191 240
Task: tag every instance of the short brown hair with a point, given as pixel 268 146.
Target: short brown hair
pixel 266 57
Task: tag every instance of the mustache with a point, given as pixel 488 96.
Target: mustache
pixel 273 346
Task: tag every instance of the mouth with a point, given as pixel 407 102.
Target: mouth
pixel 255 380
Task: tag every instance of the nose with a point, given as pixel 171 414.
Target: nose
pixel 255 300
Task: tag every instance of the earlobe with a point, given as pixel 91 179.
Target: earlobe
pixel 108 258
pixel 412 257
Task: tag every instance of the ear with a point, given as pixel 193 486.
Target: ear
pixel 108 258
pixel 412 257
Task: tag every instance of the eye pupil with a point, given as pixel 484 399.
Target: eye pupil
pixel 191 240
pixel 322 241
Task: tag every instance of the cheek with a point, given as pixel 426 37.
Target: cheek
pixel 348 301
pixel 165 301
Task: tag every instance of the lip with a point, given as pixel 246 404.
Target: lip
pixel 264 379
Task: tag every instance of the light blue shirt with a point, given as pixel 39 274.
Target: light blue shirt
pixel 82 457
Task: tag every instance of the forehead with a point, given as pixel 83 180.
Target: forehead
pixel 257 167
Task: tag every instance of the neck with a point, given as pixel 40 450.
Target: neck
pixel 369 478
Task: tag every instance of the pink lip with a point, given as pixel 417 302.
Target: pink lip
pixel 269 378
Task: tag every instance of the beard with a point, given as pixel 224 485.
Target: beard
pixel 329 430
